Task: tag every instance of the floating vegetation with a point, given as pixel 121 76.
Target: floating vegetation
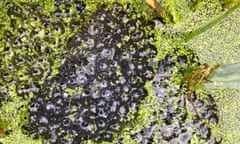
pixel 104 72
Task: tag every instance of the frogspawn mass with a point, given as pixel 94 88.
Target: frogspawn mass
pixel 98 84
pixel 83 82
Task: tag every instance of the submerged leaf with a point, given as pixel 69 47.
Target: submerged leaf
pixel 227 76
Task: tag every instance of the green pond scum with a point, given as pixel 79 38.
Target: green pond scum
pixel 39 57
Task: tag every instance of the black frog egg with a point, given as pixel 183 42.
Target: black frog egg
pixel 106 93
pixel 107 53
pixel 101 123
pixel 50 107
pixel 123 110
pixel 66 122
pixel 81 79
pixel 43 120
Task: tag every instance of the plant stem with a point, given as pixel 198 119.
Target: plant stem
pixel 200 30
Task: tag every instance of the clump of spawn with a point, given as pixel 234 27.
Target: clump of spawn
pixel 170 123
pixel 100 83
pixel 31 41
pixel 30 49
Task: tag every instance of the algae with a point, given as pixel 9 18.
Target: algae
pixel 222 47
pixel 214 46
